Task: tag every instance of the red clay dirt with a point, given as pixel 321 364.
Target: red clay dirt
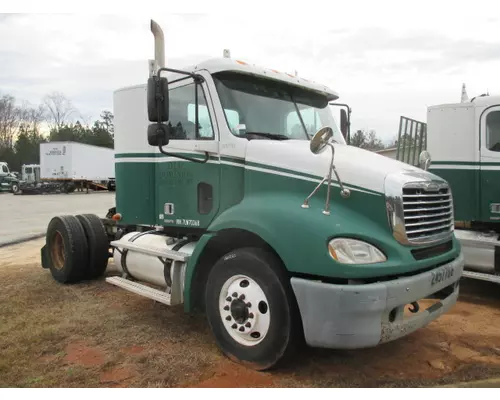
pixel 81 354
pixel 117 375
pixel 231 375
pixel 133 350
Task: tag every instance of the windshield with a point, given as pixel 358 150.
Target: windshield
pixel 256 105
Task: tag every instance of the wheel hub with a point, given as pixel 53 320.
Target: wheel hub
pixel 57 251
pixel 239 311
pixel 244 310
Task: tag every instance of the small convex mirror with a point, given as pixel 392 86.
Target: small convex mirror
pixel 321 139
pixel 424 160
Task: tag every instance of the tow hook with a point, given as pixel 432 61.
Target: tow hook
pixel 414 307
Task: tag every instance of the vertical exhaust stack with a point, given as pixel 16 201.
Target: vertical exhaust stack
pixel 159 45
pixel 464 98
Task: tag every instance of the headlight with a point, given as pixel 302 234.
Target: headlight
pixel 352 251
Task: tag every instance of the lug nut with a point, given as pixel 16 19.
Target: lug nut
pixel 226 308
pixel 248 324
pixel 234 326
pixel 242 297
pixel 228 298
pixel 228 318
pixel 249 305
pixel 242 329
pixel 250 315
pixel 235 294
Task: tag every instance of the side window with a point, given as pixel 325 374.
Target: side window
pixel 493 131
pixel 233 121
pixel 5 169
pixel 29 170
pixel 182 103
pixel 311 120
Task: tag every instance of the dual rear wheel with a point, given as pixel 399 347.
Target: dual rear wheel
pixel 76 248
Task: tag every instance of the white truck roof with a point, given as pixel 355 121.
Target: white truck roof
pixel 478 102
pixel 215 65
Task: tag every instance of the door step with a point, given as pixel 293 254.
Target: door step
pixel 481 276
pixel 140 289
pixel 151 250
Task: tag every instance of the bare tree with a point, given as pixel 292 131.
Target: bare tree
pixel 9 120
pixel 59 109
pixel 32 117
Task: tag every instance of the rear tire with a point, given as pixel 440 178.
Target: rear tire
pixel 262 329
pixel 67 249
pixel 98 245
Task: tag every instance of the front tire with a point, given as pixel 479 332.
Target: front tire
pixel 15 188
pixel 251 308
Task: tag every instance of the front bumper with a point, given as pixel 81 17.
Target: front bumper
pixel 357 316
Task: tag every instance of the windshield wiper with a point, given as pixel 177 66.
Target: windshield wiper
pixel 275 136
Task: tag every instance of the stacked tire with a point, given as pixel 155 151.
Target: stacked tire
pixel 76 248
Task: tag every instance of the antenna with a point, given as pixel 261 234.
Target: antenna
pixel 227 53
pixel 465 97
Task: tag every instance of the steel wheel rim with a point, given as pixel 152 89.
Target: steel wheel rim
pixel 57 251
pixel 244 310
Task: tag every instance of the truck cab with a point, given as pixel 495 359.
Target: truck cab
pixel 8 181
pixel 463 142
pixel 30 173
pixel 239 196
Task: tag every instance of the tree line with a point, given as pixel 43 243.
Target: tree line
pixel 24 126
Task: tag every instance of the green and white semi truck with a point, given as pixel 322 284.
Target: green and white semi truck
pixel 460 142
pixel 8 181
pixel 237 195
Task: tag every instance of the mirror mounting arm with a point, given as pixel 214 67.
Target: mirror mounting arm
pixel 345 193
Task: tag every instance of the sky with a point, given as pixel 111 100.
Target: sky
pixel 384 58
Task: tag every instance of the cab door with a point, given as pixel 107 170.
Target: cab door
pixel 187 192
pixel 490 164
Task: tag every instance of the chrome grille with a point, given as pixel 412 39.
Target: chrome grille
pixel 428 211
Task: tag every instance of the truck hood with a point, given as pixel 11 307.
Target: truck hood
pixel 359 170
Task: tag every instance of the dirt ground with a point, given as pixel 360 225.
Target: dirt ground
pixel 98 335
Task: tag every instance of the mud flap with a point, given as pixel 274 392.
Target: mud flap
pixel 43 255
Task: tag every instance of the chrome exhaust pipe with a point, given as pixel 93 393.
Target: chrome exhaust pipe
pixel 159 44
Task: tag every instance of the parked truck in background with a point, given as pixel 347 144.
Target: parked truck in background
pixel 66 166
pixel 8 180
pixel 237 195
pixel 460 142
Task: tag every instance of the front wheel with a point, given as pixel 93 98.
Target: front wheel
pixel 251 308
pixel 15 188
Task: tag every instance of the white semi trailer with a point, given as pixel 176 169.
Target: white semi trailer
pixel 67 165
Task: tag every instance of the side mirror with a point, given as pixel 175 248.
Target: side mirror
pixel 424 160
pixel 344 123
pixel 320 140
pixel 158 135
pixel 157 98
